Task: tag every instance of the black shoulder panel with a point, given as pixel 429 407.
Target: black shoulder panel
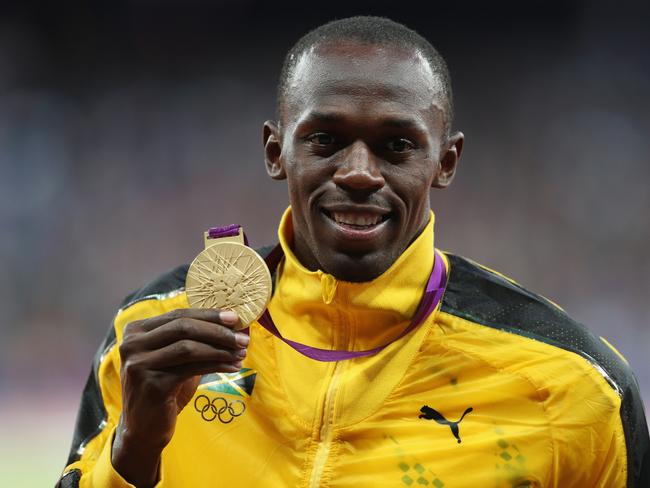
pixel 170 281
pixel 70 479
pixel 265 250
pixel 484 297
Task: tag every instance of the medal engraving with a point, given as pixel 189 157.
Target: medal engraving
pixel 229 276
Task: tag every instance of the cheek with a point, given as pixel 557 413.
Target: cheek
pixel 303 181
pixel 412 186
pixel 306 178
pixel 296 180
pixel 418 201
pixel 412 183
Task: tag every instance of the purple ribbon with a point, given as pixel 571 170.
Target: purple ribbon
pixel 432 295
pixel 225 231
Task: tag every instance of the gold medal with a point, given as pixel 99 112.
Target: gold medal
pixel 228 275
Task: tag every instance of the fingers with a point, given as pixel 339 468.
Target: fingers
pixel 192 353
pixel 227 318
pixel 210 326
pixel 181 341
pixel 161 352
pixel 181 329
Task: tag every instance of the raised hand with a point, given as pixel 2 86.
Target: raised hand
pixel 163 359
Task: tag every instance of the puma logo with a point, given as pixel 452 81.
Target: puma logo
pixel 430 414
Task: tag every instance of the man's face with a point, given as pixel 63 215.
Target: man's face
pixel 361 142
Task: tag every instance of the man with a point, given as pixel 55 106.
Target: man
pixel 488 385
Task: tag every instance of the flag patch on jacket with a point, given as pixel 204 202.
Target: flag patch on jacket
pixel 240 383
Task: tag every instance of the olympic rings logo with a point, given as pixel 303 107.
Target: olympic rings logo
pixel 219 408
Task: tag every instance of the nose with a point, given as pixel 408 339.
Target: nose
pixel 359 172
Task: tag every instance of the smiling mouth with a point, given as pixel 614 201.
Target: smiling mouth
pixel 357 220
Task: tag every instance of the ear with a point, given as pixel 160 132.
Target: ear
pixel 449 160
pixel 273 151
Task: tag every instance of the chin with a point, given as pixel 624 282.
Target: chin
pixel 357 268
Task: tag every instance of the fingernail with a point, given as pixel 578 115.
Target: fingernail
pixel 241 353
pixel 228 317
pixel 242 340
pixel 237 365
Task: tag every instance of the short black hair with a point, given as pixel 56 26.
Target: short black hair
pixel 372 30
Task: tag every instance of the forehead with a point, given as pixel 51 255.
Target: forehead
pixel 372 79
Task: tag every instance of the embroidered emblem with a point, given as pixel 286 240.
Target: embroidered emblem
pixel 429 413
pixel 218 408
pixel 240 383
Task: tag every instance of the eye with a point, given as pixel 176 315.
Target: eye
pixel 320 139
pixel 400 145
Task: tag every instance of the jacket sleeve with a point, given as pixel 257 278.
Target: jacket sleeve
pixel 600 430
pixel 89 460
pixel 629 423
pixel 601 434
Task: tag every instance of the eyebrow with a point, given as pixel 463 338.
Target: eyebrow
pixel 398 123
pixel 401 123
pixel 324 117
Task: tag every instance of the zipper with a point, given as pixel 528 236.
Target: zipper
pixel 325 435
pixel 326 432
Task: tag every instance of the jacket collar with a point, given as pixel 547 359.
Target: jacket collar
pixel 317 309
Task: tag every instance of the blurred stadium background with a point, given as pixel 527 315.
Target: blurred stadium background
pixel 127 130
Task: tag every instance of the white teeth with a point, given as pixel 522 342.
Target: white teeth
pixel 359 219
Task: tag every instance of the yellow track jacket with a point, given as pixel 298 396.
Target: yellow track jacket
pixel 497 388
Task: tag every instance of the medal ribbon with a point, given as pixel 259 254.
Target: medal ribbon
pixel 431 297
